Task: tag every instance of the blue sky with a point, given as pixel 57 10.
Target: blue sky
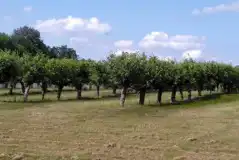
pixel 174 29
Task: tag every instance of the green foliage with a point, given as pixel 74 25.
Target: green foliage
pixel 59 71
pixel 99 73
pixel 62 52
pixel 10 67
pixel 129 69
pixel 80 73
pixel 34 69
pixel 5 41
pixel 161 72
pixel 28 40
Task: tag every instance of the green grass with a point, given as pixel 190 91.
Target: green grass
pixel 101 129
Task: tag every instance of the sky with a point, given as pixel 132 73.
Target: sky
pixel 203 30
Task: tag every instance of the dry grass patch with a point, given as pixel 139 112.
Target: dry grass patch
pixel 103 130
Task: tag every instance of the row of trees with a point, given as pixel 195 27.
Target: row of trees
pixel 129 70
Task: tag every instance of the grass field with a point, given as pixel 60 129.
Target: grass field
pixel 101 129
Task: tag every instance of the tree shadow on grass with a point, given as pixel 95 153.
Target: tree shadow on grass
pixel 163 110
pixel 200 101
pixel 106 97
pixel 32 92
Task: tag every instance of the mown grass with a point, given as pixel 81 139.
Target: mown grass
pixel 101 129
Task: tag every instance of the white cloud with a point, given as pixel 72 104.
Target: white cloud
pixel 231 7
pixel 27 8
pixel 178 42
pixel 167 58
pixel 72 24
pixel 119 52
pixel 123 44
pixel 194 54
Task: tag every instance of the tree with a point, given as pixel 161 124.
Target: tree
pixel 187 69
pixel 159 75
pixel 80 75
pixel 5 41
pixel 28 40
pixel 199 74
pixel 99 75
pixel 128 70
pixel 34 71
pixel 10 68
pixel 59 73
pixel 63 52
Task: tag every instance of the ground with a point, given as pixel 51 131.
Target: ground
pixel 101 129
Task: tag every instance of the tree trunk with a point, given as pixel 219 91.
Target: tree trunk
pixel 6 85
pixel 189 91
pixel 79 90
pixel 224 88
pixel 11 88
pixel 123 96
pixel 59 92
pixel 78 96
pixel 142 92
pixel 199 92
pixel 98 91
pixel 26 93
pixel 173 95
pixel 90 87
pixel 23 87
pixel 114 90
pixel 159 95
pixel 181 92
pixel 44 89
pixel 199 88
pixel 218 87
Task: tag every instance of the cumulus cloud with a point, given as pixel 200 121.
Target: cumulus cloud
pixel 194 54
pixel 27 8
pixel 231 7
pixel 119 52
pixel 167 58
pixel 72 24
pixel 123 44
pixel 178 42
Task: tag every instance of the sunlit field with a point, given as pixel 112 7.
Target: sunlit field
pixel 94 128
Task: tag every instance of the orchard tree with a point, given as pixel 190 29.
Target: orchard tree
pixel 99 75
pixel 34 71
pixel 60 73
pixel 227 76
pixel 80 75
pixel 199 74
pixel 159 75
pixel 10 68
pixel 212 73
pixel 188 68
pixel 128 70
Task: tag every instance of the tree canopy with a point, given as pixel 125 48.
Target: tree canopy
pixel 25 58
